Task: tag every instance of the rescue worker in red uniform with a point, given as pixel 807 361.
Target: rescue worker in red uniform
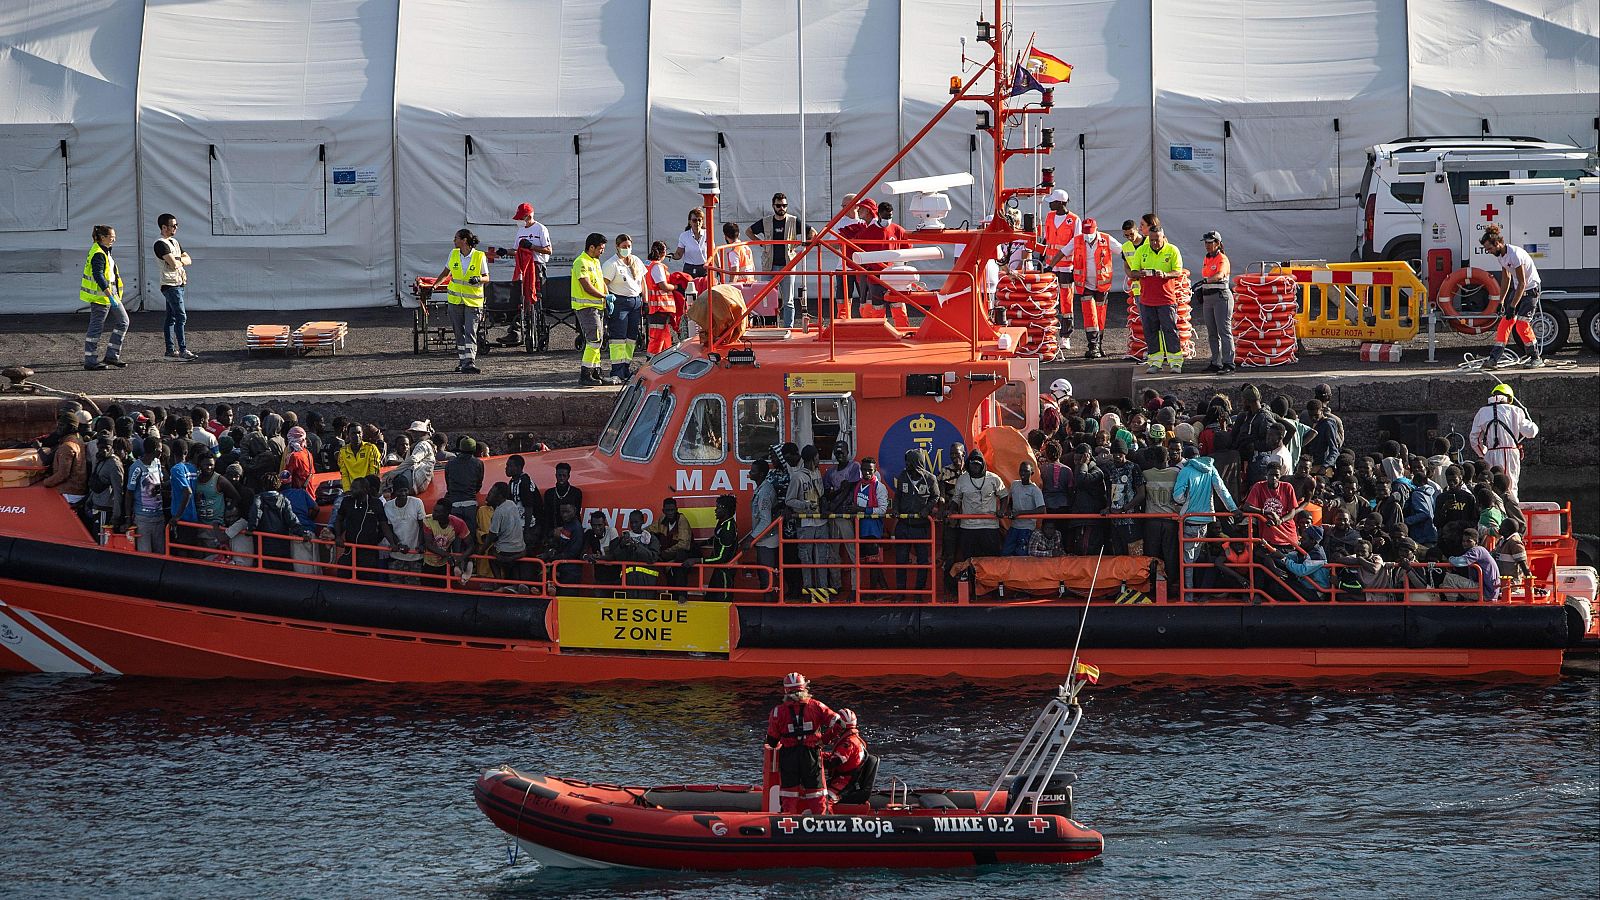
pixel 1061 225
pixel 797 727
pixel 845 761
pixel 1091 253
pixel 660 301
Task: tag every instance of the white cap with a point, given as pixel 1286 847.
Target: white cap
pixel 1057 196
pixel 421 426
pixel 1061 388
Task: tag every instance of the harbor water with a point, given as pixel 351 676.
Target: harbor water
pixel 148 788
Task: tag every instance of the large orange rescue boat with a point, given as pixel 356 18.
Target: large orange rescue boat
pixel 688 426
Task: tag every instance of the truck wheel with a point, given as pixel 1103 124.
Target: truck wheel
pixel 1589 327
pixel 1551 327
pixel 1407 251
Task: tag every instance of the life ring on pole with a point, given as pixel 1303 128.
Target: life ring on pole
pixel 1473 323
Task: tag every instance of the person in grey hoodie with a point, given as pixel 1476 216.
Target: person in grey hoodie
pixel 1197 489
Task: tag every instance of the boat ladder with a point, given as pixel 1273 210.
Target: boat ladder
pixel 1035 761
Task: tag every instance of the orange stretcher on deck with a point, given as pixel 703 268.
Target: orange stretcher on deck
pixel 268 337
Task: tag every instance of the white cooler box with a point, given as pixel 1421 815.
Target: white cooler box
pixel 1544 519
pixel 1577 581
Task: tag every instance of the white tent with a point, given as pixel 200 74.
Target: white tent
pixel 1506 66
pixel 68 69
pixel 308 169
pixel 267 129
pixel 546 104
pixel 724 85
pixel 1262 120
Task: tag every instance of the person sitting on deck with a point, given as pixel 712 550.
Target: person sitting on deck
pixel 635 548
pixel 851 769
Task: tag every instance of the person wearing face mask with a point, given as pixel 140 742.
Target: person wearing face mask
pixel 468 271
pixel 979 493
pixel 1091 254
pixel 883 234
pixel 625 281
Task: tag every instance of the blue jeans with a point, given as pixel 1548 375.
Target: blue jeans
pixel 622 327
pixel 1016 541
pixel 173 327
pixel 99 314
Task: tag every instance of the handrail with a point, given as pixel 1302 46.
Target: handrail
pixel 746 582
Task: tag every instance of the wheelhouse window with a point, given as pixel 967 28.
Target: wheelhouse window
pixel 645 435
pixel 1012 402
pixel 667 360
pixel 703 438
pixel 758 424
pixel 626 404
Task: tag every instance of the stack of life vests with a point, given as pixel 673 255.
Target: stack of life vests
pixel 1263 319
pixel 1031 300
pixel 1180 301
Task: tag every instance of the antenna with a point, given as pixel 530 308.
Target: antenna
pixel 928 185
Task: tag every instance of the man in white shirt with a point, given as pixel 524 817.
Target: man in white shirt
pixel 624 274
pixel 405 514
pixel 532 248
pixel 174 279
pixel 978 493
pixel 1519 292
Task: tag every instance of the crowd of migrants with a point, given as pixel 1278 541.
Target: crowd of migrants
pixel 1333 523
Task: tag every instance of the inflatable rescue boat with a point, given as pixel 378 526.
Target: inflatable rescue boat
pixel 572 824
pixel 1025 817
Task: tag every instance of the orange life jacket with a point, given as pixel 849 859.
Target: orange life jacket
pixel 1058 232
pixel 1103 254
pixel 659 296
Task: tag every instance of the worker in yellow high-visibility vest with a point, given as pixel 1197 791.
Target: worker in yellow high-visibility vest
pixel 1159 267
pixel 589 302
pixel 468 271
pixel 101 288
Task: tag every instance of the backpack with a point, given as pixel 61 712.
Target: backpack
pixel 97 482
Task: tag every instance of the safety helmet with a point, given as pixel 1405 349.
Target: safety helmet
pixel 794 682
pixel 1110 422
pixel 1502 393
pixel 1057 196
pixel 1060 388
pixel 847 717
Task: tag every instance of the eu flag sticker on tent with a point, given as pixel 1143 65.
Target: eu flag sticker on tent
pixel 1180 152
pixel 344 176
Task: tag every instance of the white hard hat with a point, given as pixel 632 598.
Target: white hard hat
pixel 1057 196
pixel 1061 388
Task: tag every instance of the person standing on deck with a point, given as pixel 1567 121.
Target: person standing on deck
pixel 796 728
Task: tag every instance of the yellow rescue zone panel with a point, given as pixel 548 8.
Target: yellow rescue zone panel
pixel 600 623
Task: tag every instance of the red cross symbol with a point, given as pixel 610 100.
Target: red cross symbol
pixel 788 825
pixel 1489 212
pixel 1039 826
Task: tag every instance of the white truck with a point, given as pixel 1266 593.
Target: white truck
pixel 1389 215
pixel 1555 219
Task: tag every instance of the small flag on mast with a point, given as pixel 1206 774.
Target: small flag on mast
pixel 1022 81
pixel 1090 673
pixel 1047 69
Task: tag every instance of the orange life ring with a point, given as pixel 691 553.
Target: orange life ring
pixel 1470 324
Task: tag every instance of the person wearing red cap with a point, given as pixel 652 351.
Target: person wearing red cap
pixel 1091 255
pixel 796 727
pixel 532 246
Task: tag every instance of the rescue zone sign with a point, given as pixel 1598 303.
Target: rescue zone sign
pixel 600 623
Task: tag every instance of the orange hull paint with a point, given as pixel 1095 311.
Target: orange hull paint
pixel 139 637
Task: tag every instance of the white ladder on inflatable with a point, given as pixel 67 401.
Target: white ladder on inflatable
pixel 1039 755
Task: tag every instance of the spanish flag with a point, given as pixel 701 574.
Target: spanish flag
pixel 1090 673
pixel 1048 69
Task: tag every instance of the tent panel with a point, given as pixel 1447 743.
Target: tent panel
pixel 503 165
pixel 1281 162
pixel 33 182
pixel 268 188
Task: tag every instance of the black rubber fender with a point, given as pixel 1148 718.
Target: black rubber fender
pixel 266 593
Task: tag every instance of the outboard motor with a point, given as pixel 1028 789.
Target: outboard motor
pixel 1056 799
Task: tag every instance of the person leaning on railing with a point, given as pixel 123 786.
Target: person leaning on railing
pixel 360 521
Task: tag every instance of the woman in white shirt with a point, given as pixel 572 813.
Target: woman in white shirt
pixel 624 275
pixel 692 245
pixel 1519 290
